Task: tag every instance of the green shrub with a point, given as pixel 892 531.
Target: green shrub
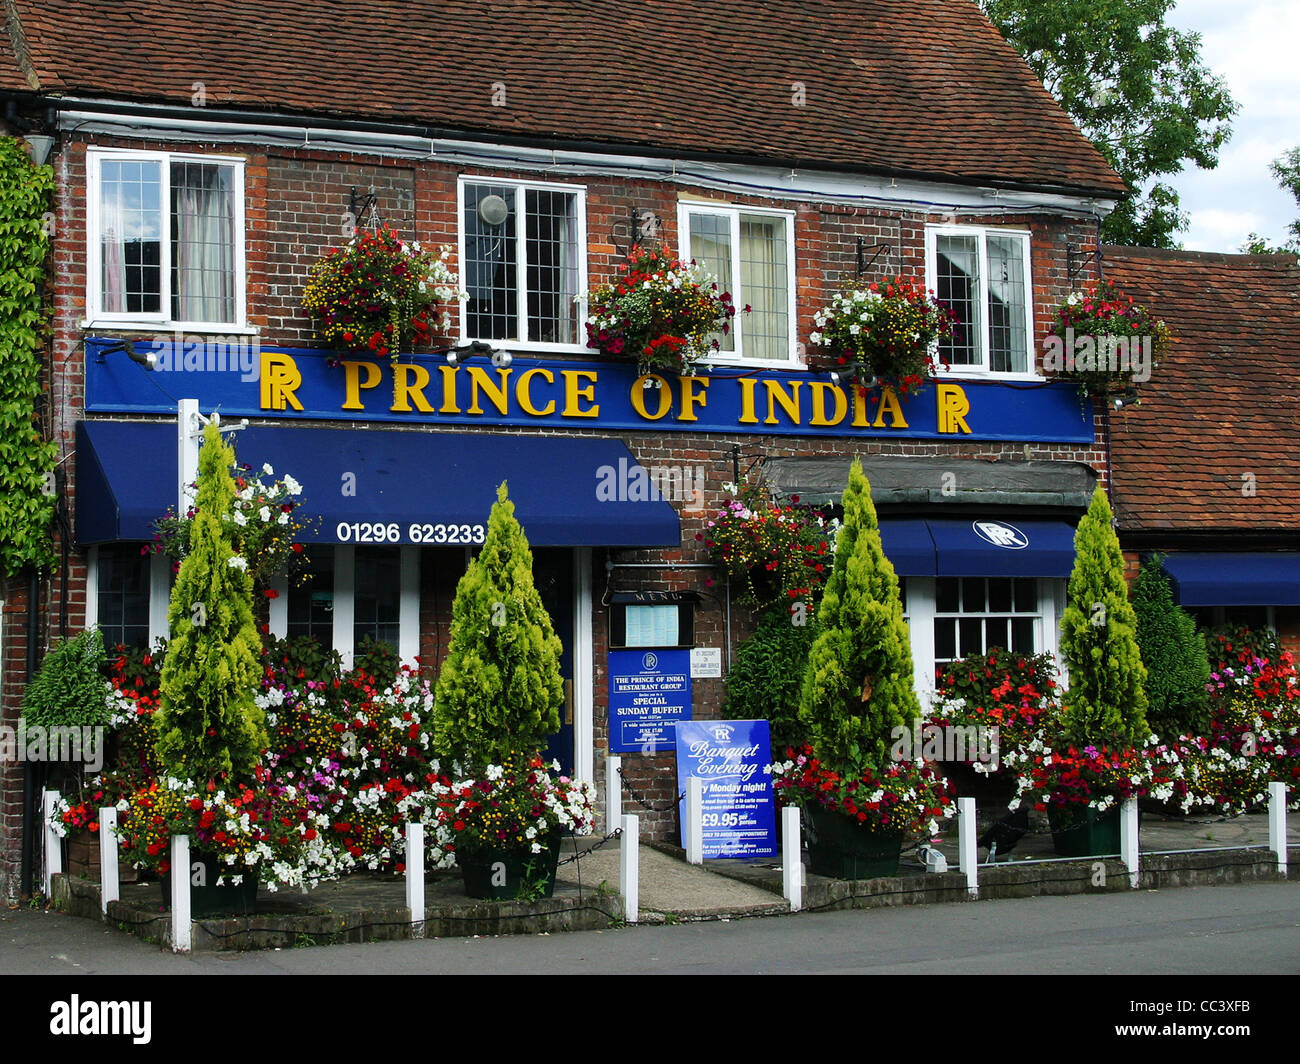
pixel 69 689
pixel 765 678
pixel 1174 656
pixel 377 659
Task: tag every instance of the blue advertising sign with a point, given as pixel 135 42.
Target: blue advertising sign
pixel 241 378
pixel 739 803
pixel 649 691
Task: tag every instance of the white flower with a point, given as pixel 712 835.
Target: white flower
pixel 266 468
pixel 264 513
pixel 855 329
pixel 283 519
pixel 292 486
pixel 238 563
pixel 240 519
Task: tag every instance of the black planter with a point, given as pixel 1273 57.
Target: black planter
pixel 507 875
pixel 208 899
pixel 841 847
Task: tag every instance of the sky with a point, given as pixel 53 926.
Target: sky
pixel 1255 46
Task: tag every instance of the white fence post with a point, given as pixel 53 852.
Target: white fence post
pixel 629 867
pixel 967 851
pixel 1128 840
pixel 694 820
pixel 182 930
pixel 613 794
pixel 108 858
pixel 53 844
pixel 1277 824
pixel 415 877
pixel 791 858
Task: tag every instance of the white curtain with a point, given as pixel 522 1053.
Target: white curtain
pixel 203 268
pixel 711 248
pixel 765 287
pixel 567 323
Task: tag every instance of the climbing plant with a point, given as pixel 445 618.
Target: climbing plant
pixel 26 457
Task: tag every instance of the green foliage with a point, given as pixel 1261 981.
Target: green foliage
pixel 69 689
pixel 208 724
pixel 377 659
pixel 858 683
pixel 1174 655
pixel 1136 88
pixel 1106 703
pixel 500 690
pixel 1286 170
pixel 301 657
pixel 26 457
pixel 766 677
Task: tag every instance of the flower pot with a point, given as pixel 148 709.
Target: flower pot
pixel 842 847
pixel 208 899
pixel 81 855
pixel 507 875
pixel 1084 832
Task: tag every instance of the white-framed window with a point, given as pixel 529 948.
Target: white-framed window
pixel 983 276
pixel 127 593
pixel 523 256
pixel 165 239
pixel 751 252
pixel 949 617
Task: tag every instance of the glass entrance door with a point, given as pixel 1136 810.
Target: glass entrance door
pixel 553 575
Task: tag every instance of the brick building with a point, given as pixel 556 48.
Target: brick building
pixel 1202 467
pixel 204 164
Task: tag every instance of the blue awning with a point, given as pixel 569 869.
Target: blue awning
pixel 979 547
pixel 986 546
pixel 126 476
pixel 1266 578
pixel 908 546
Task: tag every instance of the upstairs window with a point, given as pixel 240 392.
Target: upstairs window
pixel 751 253
pixel 982 277
pixel 523 256
pixel 165 239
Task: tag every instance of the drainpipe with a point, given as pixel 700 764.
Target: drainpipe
pixel 29 781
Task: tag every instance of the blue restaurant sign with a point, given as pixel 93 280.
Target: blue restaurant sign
pixel 238 377
pixel 649 692
pixel 739 804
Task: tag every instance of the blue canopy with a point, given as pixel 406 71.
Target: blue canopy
pixel 1266 578
pixel 567 492
pixel 982 546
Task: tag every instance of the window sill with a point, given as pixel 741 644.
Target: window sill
pixel 170 327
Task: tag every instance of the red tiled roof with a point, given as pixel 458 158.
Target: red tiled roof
pixel 1224 401
pixel 920 87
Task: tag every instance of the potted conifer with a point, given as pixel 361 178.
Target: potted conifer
pixel 857 698
pixel 210 730
pixel 1096 751
pixel 496 703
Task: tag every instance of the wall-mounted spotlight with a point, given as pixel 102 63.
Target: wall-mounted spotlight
pixel 1126 399
pixel 147 359
pixel 478 347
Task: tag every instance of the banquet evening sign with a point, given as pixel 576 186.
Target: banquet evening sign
pixel 731 757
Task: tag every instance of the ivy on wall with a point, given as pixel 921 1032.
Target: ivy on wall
pixel 26 457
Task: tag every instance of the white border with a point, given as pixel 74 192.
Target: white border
pixel 521 270
pixel 96 316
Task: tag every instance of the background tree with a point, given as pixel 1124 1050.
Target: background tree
pixel 207 723
pixel 500 689
pixel 26 458
pixel 858 684
pixel 1136 88
pixel 1174 655
pixel 1106 701
pixel 1286 169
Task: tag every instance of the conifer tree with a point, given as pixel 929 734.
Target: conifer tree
pixel 1174 654
pixel 500 689
pixel 1106 703
pixel 858 684
pixel 208 723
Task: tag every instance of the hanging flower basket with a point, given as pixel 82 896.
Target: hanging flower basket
pixel 884 335
pixel 376 295
pixel 661 313
pixel 1104 341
